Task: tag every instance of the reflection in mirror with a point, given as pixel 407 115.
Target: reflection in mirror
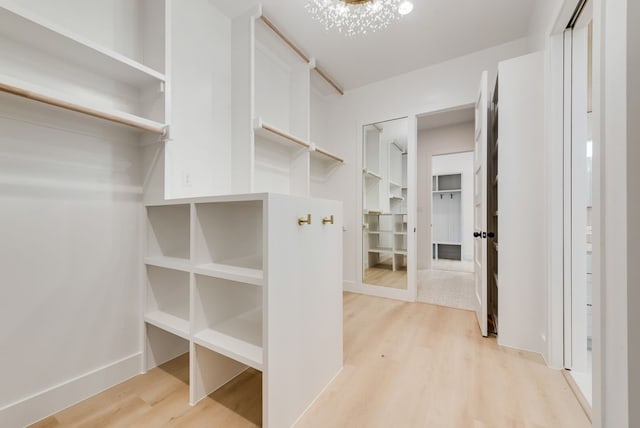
pixel 384 202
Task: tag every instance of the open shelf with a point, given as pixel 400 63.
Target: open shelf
pixel 168 229
pixel 168 322
pixel 174 263
pixel 238 338
pixel 229 239
pixel 167 304
pixel 77 104
pixel 380 250
pixel 231 270
pixel 228 319
pixel 19 26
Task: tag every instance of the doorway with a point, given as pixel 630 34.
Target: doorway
pixel 445 208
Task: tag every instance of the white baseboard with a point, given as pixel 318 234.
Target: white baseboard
pixel 377 291
pixel 52 400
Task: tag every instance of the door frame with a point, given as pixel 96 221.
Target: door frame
pixel 411 292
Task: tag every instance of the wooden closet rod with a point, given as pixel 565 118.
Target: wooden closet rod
pixel 80 109
pixel 300 53
pixel 285 135
pixel 285 39
pixel 329 155
pixel 329 80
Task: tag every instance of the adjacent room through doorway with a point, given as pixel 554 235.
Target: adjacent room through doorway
pixel 445 208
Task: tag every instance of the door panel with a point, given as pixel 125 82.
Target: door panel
pixel 480 202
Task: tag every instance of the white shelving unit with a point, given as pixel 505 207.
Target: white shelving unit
pixel 447 216
pixel 228 279
pixel 78 74
pixel 271 88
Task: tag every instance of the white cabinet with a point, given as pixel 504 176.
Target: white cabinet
pixel 247 281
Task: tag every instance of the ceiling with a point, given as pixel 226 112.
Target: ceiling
pixel 446 118
pixel 436 30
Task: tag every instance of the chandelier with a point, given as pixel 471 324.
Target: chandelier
pixel 351 17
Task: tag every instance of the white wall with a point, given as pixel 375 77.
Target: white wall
pixel 199 155
pixel 446 85
pixel 633 195
pixel 70 195
pixel 452 164
pixel 522 256
pixel 439 141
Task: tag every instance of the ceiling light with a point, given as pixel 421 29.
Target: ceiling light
pixel 405 7
pixel 352 17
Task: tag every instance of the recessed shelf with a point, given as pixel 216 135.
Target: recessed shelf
pixel 448 191
pixel 380 250
pixel 168 230
pixel 379 232
pixel 239 338
pixel 399 198
pixel 403 252
pixel 229 240
pixel 47 96
pixel 169 263
pixel 37 34
pixel 393 183
pixel 231 272
pixel 167 303
pixel 168 322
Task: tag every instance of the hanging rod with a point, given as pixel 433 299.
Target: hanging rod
pixel 285 39
pixel 330 155
pixel 300 53
pixel 46 99
pixel 329 80
pixel 282 134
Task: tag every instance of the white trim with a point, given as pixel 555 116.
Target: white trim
pixel 377 291
pixel 38 406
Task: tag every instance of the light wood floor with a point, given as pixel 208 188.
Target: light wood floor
pixel 383 275
pixel 406 365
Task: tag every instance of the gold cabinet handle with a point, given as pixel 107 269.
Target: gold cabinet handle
pixel 302 220
pixel 327 220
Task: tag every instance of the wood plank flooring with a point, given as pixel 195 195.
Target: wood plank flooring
pixel 383 275
pixel 406 365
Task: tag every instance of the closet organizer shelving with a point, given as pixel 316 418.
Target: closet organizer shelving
pixel 272 91
pixel 228 279
pixel 80 75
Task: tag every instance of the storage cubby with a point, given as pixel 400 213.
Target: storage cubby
pixel 238 308
pixel 229 240
pixel 167 303
pixel 228 319
pixel 168 233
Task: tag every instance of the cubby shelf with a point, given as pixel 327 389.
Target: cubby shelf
pixel 175 263
pixel 231 272
pixel 239 338
pixel 381 250
pixel 168 322
pixel 35 33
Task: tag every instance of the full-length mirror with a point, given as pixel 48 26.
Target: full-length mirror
pixel 384 202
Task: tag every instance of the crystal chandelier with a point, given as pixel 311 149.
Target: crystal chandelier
pixel 351 17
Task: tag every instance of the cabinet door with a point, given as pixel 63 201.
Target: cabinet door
pixel 303 306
